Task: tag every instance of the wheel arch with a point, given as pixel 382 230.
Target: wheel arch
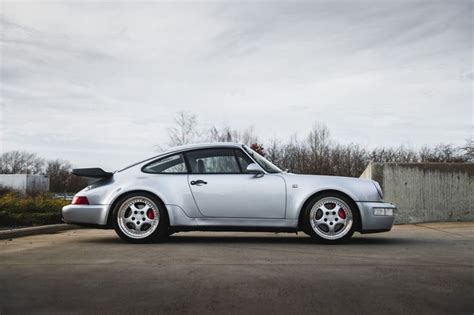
pixel 329 191
pixel 118 197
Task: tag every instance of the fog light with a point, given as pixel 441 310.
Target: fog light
pixel 379 211
pixel 384 211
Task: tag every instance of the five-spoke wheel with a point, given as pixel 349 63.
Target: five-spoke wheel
pixel 330 217
pixel 139 218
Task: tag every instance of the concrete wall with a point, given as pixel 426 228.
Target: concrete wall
pixel 426 192
pixel 25 183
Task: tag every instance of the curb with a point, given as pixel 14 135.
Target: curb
pixel 34 230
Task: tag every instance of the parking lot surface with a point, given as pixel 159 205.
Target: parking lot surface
pixel 425 268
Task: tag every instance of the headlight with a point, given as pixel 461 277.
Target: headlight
pixel 379 189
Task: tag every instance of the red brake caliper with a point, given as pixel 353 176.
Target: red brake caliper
pixel 341 213
pixel 150 214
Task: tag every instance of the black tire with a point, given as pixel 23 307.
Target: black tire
pixel 162 230
pixel 306 219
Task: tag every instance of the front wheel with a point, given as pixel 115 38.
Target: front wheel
pixel 140 218
pixel 330 218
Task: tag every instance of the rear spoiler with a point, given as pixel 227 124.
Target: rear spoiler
pixel 92 172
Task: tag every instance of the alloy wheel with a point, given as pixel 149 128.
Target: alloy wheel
pixel 138 217
pixel 331 218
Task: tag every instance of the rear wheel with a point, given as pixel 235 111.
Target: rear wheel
pixel 140 218
pixel 330 218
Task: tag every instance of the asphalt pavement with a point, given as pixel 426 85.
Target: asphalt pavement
pixel 414 269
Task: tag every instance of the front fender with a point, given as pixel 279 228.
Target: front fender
pixel 302 187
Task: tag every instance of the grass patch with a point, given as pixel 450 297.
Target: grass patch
pixel 18 210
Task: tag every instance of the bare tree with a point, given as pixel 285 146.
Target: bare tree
pixel 443 153
pixel 185 130
pixel 21 162
pixel 349 160
pixel 61 180
pixel 319 146
pixel 400 154
pixel 58 172
pixel 295 156
pixel 224 134
pixel 319 139
pixel 227 134
pixel 273 152
pixel 248 136
pixel 468 149
pixel 317 153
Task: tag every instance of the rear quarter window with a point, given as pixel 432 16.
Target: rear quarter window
pixel 173 164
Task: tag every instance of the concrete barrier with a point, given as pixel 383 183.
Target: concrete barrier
pixel 426 192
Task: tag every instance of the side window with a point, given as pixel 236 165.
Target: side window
pixel 213 161
pixel 171 164
pixel 243 160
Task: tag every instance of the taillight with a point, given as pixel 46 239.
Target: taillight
pixel 80 200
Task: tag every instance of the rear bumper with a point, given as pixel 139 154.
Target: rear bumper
pixel 88 214
pixel 375 223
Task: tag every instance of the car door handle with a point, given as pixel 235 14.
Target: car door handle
pixel 199 181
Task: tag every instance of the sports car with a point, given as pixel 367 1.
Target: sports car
pixel 225 187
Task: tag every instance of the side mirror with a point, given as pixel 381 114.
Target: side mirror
pixel 253 168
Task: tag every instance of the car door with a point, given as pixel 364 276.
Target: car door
pixel 222 189
pixel 168 176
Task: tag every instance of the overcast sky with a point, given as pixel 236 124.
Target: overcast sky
pixel 98 83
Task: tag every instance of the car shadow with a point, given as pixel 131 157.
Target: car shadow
pixel 356 240
pixel 182 238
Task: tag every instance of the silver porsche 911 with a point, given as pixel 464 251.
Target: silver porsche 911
pixel 225 187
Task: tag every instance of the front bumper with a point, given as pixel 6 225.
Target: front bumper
pixel 88 214
pixel 372 222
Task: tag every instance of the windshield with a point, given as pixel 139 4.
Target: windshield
pixel 263 162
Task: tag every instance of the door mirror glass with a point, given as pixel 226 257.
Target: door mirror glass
pixel 253 168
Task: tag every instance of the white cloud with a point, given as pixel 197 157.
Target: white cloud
pixel 100 82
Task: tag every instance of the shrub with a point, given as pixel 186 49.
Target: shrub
pixel 18 210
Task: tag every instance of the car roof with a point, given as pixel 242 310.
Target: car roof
pixel 194 146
